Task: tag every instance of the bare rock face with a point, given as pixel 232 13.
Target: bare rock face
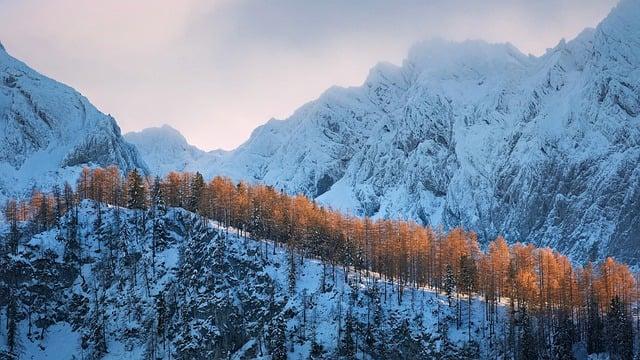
pixel 48 131
pixel 539 149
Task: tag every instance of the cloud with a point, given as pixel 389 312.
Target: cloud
pixel 217 69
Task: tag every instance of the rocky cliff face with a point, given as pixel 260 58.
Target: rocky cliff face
pixel 48 131
pixel 541 149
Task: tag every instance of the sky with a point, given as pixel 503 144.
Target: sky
pixel 217 69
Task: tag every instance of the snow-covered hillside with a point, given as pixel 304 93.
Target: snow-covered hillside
pixel 126 285
pixel 48 131
pixel 541 149
pixel 164 150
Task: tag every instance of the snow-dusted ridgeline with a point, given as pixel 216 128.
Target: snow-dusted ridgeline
pixel 48 132
pixel 539 149
pixel 165 149
pixel 220 293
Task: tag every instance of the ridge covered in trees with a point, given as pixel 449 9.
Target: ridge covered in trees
pixel 553 304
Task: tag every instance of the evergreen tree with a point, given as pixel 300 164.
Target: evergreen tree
pixel 158 211
pixel 595 327
pixel 278 338
pixel 292 275
pixel 197 189
pixel 447 351
pixel 468 275
pixel 470 351
pixel 317 350
pixel 161 318
pixel 618 331
pixel 563 337
pixel 13 338
pixel 72 250
pixel 347 343
pixel 528 346
pixel 449 283
pixel 136 193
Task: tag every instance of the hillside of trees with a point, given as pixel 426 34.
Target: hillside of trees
pixel 553 306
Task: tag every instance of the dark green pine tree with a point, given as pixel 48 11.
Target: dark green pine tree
pixel 158 211
pixel 317 350
pixel 136 193
pixel 618 331
pixel 292 275
pixel 563 338
pixel 9 285
pixel 197 188
pixel 13 338
pixel 528 346
pixel 347 344
pixel 470 351
pixel 449 283
pixel 161 320
pixel 278 338
pixel 595 328
pixel 72 248
pixel 374 335
pixel 448 350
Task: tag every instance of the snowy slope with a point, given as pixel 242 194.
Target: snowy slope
pixel 48 131
pixel 542 149
pixel 221 293
pixel 164 150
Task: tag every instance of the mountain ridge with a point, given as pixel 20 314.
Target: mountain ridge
pixel 50 131
pixel 539 149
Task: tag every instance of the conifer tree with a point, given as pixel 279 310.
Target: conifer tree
pixel 278 338
pixel 347 343
pixel 317 350
pixel 618 331
pixel 528 346
pixel 72 250
pixel 563 337
pixel 158 211
pixel 197 188
pixel 292 274
pixel 136 194
pixel 449 283
pixel 594 327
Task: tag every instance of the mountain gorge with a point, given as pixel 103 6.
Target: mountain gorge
pixel 539 149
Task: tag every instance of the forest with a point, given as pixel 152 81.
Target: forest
pixel 552 304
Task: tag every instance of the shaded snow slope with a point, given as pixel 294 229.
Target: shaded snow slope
pixel 164 149
pixel 221 296
pixel 541 149
pixel 48 131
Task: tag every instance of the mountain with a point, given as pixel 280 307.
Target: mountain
pixel 165 149
pixel 93 288
pixel 540 149
pixel 48 131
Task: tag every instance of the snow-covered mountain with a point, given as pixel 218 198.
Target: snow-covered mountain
pixel 165 149
pixel 541 149
pixel 48 131
pixel 102 286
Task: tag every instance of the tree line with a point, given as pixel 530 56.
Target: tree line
pixel 552 303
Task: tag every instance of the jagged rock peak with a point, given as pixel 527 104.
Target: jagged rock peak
pixel 49 131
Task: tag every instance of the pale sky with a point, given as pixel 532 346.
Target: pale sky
pixel 217 69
